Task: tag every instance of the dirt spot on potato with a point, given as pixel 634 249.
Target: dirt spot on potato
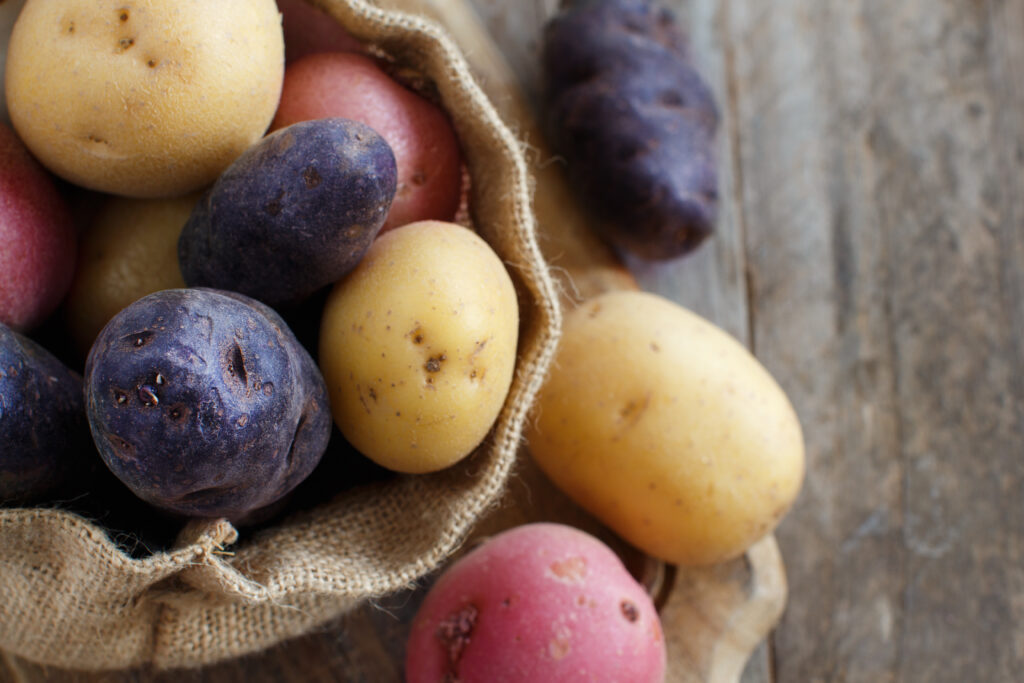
pixel 178 412
pixel 454 633
pixel 274 206
pixel 148 396
pixel 570 570
pixel 311 177
pixel 235 367
pixel 629 610
pixel 138 339
pixel 560 645
pixel 433 363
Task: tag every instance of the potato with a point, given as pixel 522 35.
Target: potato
pixel 308 30
pixel 418 345
pixel 8 13
pixel 635 123
pixel 128 251
pixel 45 435
pixel 426 149
pixel 151 98
pixel 293 214
pixel 666 429
pixel 38 239
pixel 204 404
pixel 538 603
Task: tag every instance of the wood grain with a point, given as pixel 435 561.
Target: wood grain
pixel 880 151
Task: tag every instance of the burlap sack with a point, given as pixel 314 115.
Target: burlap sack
pixel 70 598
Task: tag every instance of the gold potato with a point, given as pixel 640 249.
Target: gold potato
pixel 667 429
pixel 129 250
pixel 418 346
pixel 151 98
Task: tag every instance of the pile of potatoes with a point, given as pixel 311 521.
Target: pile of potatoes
pixel 184 186
pixel 214 167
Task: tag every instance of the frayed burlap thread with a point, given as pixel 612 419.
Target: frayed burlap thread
pixel 70 598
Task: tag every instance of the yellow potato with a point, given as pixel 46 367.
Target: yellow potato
pixel 667 429
pixel 149 98
pixel 418 345
pixel 128 251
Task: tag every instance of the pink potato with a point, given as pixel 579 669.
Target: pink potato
pixel 541 602
pixel 308 30
pixel 37 238
pixel 352 86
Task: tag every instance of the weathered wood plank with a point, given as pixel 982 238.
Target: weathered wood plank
pixel 879 146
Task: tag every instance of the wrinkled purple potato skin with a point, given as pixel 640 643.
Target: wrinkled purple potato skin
pixel 204 404
pixel 44 435
pixel 292 214
pixel 635 123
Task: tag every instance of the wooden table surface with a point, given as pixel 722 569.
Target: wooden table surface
pixel 870 251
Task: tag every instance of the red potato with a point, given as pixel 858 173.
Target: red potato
pixel 352 86
pixel 541 602
pixel 308 30
pixel 37 238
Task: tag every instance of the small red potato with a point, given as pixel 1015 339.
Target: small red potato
pixel 538 603
pixel 352 86
pixel 37 259
pixel 308 30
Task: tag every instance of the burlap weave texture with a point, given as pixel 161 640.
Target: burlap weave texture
pixel 69 597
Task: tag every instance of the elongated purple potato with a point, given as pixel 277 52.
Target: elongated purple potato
pixel 204 404
pixel 44 436
pixel 635 123
pixel 293 214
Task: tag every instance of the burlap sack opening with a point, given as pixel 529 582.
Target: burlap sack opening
pixel 70 598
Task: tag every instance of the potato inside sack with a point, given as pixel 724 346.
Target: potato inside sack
pixel 152 98
pixel 128 250
pixel 260 587
pixel 204 404
pixel 293 214
pixel 354 86
pixel 418 345
pixel 667 430
pixel 8 13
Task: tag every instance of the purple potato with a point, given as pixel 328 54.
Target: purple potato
pixel 44 435
pixel 294 213
pixel 204 404
pixel 635 123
